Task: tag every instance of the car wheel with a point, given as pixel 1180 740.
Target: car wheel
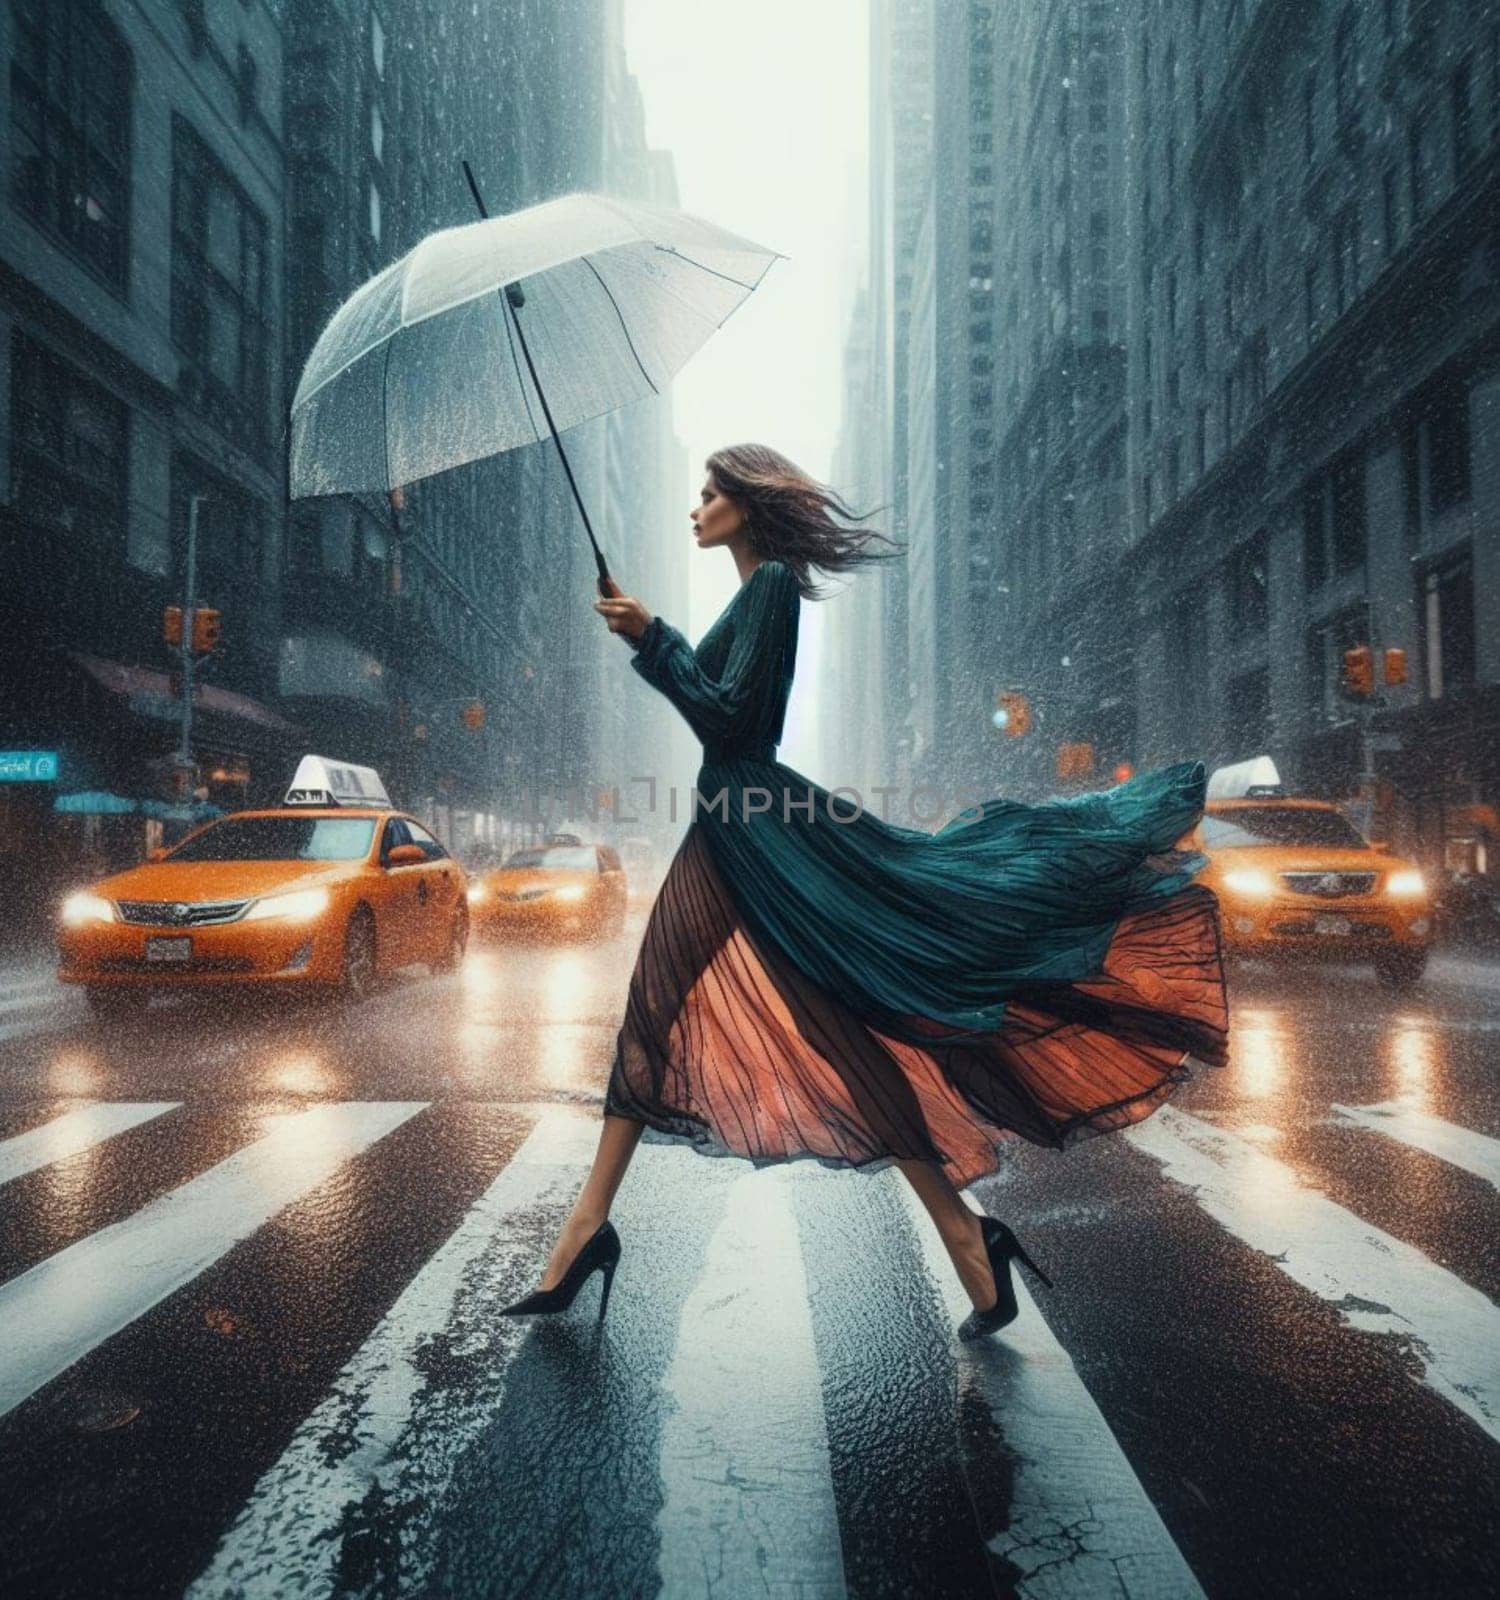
pixel 458 941
pixel 1401 969
pixel 114 1004
pixel 357 975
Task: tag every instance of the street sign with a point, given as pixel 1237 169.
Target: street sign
pixel 28 766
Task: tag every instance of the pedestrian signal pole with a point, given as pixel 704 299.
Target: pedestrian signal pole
pixel 190 612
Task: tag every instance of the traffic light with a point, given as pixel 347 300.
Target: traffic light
pixel 1359 672
pixel 205 630
pixel 1075 760
pixel 474 715
pixel 1395 665
pixel 171 626
pixel 1124 772
pixel 1012 714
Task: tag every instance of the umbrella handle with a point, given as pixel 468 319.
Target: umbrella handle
pixel 514 297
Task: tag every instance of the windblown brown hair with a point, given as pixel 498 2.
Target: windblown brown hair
pixel 787 514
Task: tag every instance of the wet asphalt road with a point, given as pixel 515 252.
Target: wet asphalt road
pixel 250 1258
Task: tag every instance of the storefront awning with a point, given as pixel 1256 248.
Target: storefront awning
pixel 149 694
pixel 96 803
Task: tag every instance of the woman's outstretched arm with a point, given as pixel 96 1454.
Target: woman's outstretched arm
pixel 722 708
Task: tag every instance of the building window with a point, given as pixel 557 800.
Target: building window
pixel 377 44
pixel 1348 507
pixel 1099 322
pixel 1448 627
pixel 246 76
pixel 1463 120
pixel 1346 258
pixel 1390 213
pixel 377 130
pixel 1345 65
pixel 304 539
pixel 1247 702
pixel 1326 644
pixel 220 286
pixel 1411 478
pixel 1314 539
pixel 1416 170
pixel 1312 310
pixel 69 453
pixel 1309 117
pixel 374 212
pixel 231 529
pixel 70 84
pixel 1448 455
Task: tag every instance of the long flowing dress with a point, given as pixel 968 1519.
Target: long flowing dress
pixel 814 982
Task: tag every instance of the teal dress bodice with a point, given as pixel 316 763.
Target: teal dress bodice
pixel 898 922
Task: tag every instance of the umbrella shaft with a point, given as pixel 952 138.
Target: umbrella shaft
pixel 547 412
pixel 512 301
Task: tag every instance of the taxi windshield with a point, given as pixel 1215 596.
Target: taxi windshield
pixel 280 839
pixel 560 858
pixel 1297 825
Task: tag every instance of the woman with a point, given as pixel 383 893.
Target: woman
pixel 816 983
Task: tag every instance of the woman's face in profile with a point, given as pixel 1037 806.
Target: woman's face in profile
pixel 716 518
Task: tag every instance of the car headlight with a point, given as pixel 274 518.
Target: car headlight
pixel 569 891
pixel 302 905
pixel 477 892
pixel 1406 883
pixel 80 909
pixel 1253 885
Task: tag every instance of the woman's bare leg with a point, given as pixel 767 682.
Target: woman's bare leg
pixel 957 1226
pixel 617 1142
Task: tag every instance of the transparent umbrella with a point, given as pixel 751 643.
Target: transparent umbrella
pixel 500 332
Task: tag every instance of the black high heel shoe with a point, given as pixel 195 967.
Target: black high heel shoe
pixel 1000 1245
pixel 600 1254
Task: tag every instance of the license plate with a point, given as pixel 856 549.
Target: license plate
pixel 1331 925
pixel 169 949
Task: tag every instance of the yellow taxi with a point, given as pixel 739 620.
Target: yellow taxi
pixel 332 889
pixel 1296 878
pixel 557 888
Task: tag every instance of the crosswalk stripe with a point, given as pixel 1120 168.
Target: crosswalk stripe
pixel 32 998
pixel 73 1132
pixel 285 1540
pixel 1069 1469
pixel 745 1469
pixel 1375 1281
pixel 1409 1124
pixel 63 1307
pixel 740 1421
pixel 28 977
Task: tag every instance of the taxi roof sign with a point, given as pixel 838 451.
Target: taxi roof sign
pixel 320 781
pixel 1244 779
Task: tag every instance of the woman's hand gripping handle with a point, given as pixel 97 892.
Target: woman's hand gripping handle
pixel 622 612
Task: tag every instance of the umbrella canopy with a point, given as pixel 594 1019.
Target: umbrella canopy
pixel 420 369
